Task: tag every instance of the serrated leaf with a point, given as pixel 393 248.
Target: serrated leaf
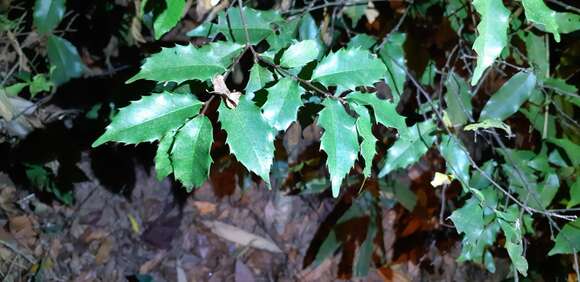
pixel 339 141
pixel 405 152
pixel 349 68
pixel 458 100
pixel 284 100
pixel 538 13
pixel 167 19
pixel 48 14
pixel 65 59
pixel 508 99
pixel 568 240
pixel 492 34
pixel 457 160
pixel 393 55
pixel 538 55
pixel 249 136
pixel 574 194
pixel 182 63
pixel 259 76
pixel 300 53
pixel 257 23
pixel 368 146
pixel 572 149
pixel 469 220
pixel 150 118
pixel 285 36
pixel 362 41
pixel 355 13
pixel 190 153
pixel 385 112
pixel 163 166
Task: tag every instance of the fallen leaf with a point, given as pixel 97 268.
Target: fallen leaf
pixel 241 237
pixel 152 263
pixel 204 207
pixel 104 251
pixel 243 273
pixel 23 231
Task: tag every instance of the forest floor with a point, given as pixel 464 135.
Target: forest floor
pixel 152 234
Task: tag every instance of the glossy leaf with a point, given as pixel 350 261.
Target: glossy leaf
pixel 568 240
pixel 48 14
pixel 362 41
pixel 368 146
pixel 190 152
pixel 574 194
pixel 339 141
pixel 150 118
pixel 406 152
pixel 508 99
pixel 469 220
pixel 259 76
pixel 456 158
pixel 163 166
pixel 284 100
pixel 65 59
pixel 572 149
pixel 308 28
pixel 249 136
pixel 167 19
pixel 349 68
pixel 182 63
pixel 300 53
pixel 492 34
pixel 538 13
pixel 568 22
pixel 538 55
pixel 458 100
pixel 394 57
pixel 385 112
pixel 257 23
pixel 285 36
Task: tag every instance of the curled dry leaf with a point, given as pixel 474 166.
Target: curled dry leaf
pixel 232 99
pixel 241 237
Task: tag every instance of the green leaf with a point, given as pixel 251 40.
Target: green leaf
pixel 568 240
pixel 15 89
pixel 538 55
pixel 574 194
pixel 284 100
pixel 428 76
pixel 163 166
pixel 65 59
pixel 190 153
pixel 349 68
pixel 259 76
pixel 308 28
pixel 492 34
pixel 567 22
pixel 572 149
pixel 365 252
pixel 458 100
pixel 257 23
pixel 150 118
pixel 48 14
pixel 169 17
pixel 327 248
pixel 508 99
pixel 457 159
pixel 469 220
pixel 355 13
pixel 182 63
pixel 339 141
pixel 362 41
pixel 512 227
pixel 456 11
pixel 39 84
pixel 538 13
pixel 406 152
pixel 368 146
pixel 385 112
pixel 250 137
pixel 300 53
pixel 393 55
